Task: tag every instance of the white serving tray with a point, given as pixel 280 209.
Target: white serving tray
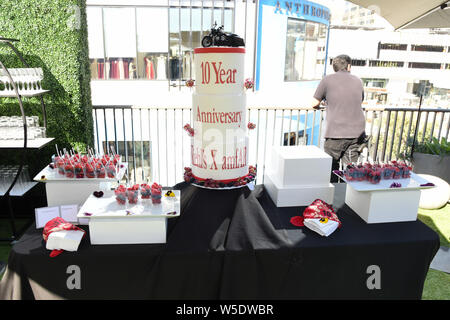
pixel 107 207
pixel 53 175
pixel 412 183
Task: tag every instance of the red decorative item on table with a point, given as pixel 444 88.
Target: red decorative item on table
pixel 251 126
pixel 55 225
pixel 297 221
pixel 320 209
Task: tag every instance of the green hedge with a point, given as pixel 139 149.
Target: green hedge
pixel 53 36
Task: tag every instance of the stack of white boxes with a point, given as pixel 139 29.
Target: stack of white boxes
pixel 298 175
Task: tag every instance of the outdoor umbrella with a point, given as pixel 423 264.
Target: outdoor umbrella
pixel 407 14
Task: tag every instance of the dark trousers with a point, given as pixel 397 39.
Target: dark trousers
pixel 347 150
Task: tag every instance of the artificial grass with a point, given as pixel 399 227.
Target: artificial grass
pixel 437 283
pixel 437 286
pixel 439 221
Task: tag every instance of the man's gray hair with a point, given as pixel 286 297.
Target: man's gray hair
pixel 341 62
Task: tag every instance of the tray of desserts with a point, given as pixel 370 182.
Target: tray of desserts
pixel 381 177
pixel 87 167
pixel 132 201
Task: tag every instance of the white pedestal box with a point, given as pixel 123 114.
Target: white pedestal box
pixel 61 190
pixel 295 196
pixel 123 230
pixel 384 206
pixel 299 165
pixel 143 222
pixel 380 203
pixel 298 175
pixel 76 192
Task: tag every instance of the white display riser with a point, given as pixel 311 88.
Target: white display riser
pixel 76 192
pixel 299 166
pixel 394 205
pixel 297 196
pixel 123 230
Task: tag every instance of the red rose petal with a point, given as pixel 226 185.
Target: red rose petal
pixel 297 221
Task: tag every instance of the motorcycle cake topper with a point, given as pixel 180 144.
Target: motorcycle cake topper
pixel 217 37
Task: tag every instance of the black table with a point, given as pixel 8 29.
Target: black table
pixel 229 245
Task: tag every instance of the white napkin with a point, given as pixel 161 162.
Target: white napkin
pixel 322 228
pixel 67 240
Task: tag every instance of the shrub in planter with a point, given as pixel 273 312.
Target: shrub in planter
pixel 433 158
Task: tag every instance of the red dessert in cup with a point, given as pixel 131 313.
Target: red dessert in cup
pixel 121 194
pixel 79 170
pixel 111 170
pixel 146 191
pixel 69 170
pixel 60 166
pixel 133 194
pixel 156 193
pixel 90 172
pixel 100 170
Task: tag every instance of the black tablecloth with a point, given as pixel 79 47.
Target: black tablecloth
pixel 233 244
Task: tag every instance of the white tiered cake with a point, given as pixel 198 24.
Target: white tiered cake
pixel 219 147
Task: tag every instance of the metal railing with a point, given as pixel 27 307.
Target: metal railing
pixel 157 148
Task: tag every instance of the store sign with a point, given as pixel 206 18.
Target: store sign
pixel 302 9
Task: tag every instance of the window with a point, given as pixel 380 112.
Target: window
pixel 304 41
pixel 358 62
pixel 375 83
pixel 424 65
pixel 151 42
pixel 427 48
pixel 393 46
pixel 95 41
pixel 386 64
pixel 152 46
pixel 120 42
pixel 355 62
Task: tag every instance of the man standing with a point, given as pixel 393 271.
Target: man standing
pixel 345 123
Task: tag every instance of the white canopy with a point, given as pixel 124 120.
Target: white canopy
pixel 407 14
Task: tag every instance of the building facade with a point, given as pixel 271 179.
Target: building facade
pixel 395 65
pixel 141 51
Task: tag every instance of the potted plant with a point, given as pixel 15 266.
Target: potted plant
pixel 433 158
